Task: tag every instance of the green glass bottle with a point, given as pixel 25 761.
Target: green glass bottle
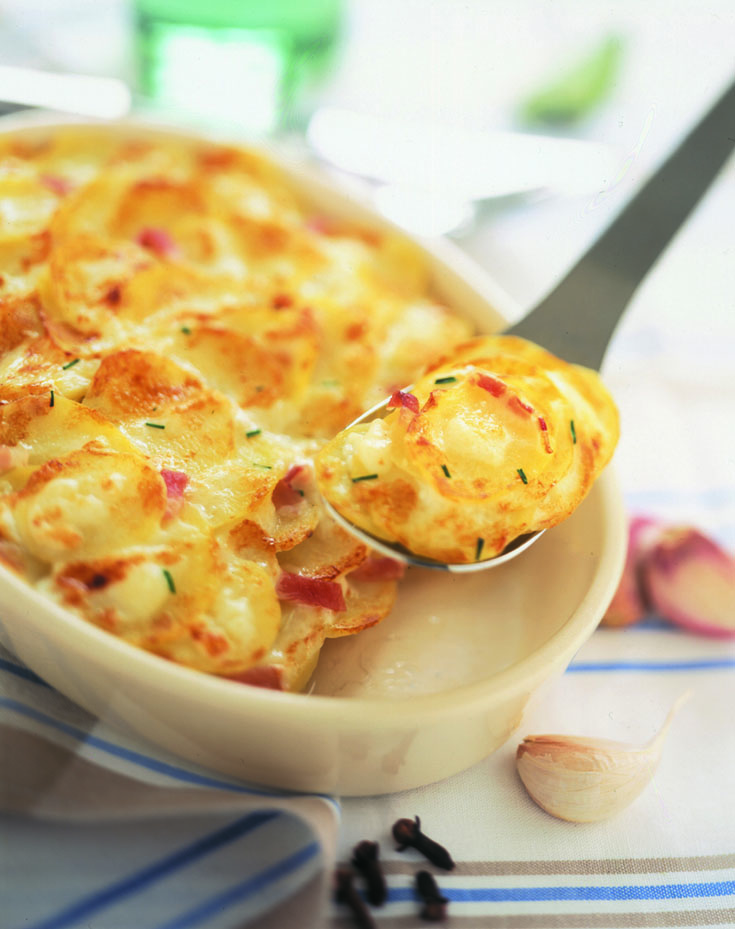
pixel 249 64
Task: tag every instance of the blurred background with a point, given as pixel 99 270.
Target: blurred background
pixel 519 129
pixel 456 116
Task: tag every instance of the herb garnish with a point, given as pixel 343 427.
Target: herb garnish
pixel 249 435
pixel 479 548
pixel 51 401
pixel 186 330
pixel 70 364
pixel 522 475
pixel 155 425
pixel 445 380
pixel 574 432
pixel 445 469
pixel 364 477
pixel 258 464
pixel 169 580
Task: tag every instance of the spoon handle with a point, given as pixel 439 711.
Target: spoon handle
pixel 577 319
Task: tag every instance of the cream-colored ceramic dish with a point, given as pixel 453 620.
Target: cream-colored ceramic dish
pixel 436 687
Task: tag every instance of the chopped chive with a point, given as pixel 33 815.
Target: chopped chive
pixel 522 475
pixel 156 425
pixel 364 477
pixel 445 469
pixel 445 380
pixel 258 464
pixel 51 401
pixel 186 330
pixel 169 580
pixel 252 432
pixel 70 364
pixel 478 549
pixel 574 432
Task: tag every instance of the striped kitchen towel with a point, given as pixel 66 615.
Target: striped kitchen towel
pixel 97 831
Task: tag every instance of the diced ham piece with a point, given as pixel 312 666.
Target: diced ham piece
pixel 176 482
pixel 310 591
pixel 157 240
pixel 403 399
pixel 497 388
pixel 267 676
pixel 491 384
pixel 430 403
pixel 379 568
pixel 286 493
pixel 12 456
pixel 323 225
pixel 59 185
pixel 519 406
pixel 544 433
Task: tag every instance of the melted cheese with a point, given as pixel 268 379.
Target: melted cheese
pixel 178 338
pixel 504 439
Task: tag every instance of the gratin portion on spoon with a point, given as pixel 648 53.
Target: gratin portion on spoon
pixel 498 440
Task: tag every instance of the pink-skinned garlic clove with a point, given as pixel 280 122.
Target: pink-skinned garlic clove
pixel 689 580
pixel 628 605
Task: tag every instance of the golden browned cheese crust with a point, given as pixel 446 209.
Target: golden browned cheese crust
pixel 498 439
pixel 179 335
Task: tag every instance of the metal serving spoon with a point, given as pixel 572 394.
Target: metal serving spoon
pixel 610 272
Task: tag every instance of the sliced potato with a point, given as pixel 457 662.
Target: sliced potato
pixel 163 409
pixel 186 600
pixel 89 502
pixel 53 429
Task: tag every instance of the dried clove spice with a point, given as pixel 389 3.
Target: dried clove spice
pixel 365 859
pixel 435 905
pixel 408 834
pixel 347 893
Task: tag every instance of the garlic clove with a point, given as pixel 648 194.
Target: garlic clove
pixel 690 581
pixel 584 780
pixel 628 605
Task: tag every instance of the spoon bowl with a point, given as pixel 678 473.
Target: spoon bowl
pixel 399 552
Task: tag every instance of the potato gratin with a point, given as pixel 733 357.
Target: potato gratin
pixel 179 337
pixel 499 439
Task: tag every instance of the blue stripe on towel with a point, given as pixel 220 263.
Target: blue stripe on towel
pixel 704 664
pixel 145 761
pixel 140 880
pixel 547 894
pixel 21 671
pixel 243 890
